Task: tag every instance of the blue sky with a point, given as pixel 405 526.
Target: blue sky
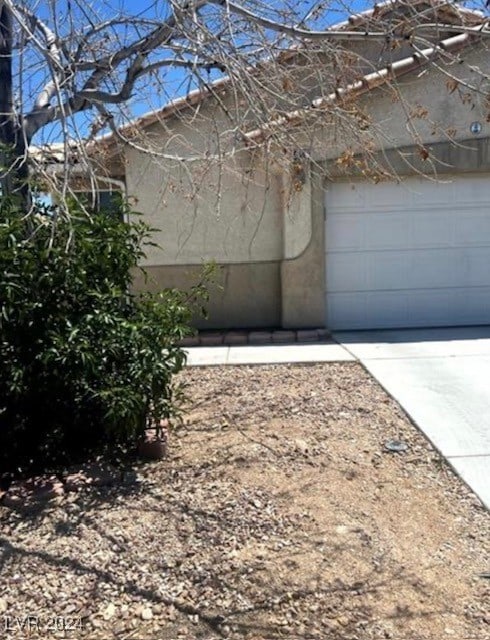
pixel 83 13
pixel 177 85
pixel 77 15
pixel 338 10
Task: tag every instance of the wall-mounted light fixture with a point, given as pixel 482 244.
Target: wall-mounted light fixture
pixel 475 128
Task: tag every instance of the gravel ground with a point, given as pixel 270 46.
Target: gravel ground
pixel 279 513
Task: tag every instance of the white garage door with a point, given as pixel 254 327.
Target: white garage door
pixel 415 254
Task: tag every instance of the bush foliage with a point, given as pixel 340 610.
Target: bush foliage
pixel 85 363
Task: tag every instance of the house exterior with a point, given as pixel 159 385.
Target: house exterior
pixel 330 244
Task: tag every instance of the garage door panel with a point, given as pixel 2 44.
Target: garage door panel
pixel 436 230
pixel 387 231
pixel 478 267
pixel 469 221
pixel 347 272
pixel 410 270
pixel 475 303
pixel 466 190
pixel 413 309
pixel 387 269
pixel 346 310
pixel 406 270
pixel 358 310
pixel 347 197
pixel 430 307
pixel 385 306
pixel 416 254
pixel 436 268
pixel 346 232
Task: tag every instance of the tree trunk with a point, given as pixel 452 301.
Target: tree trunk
pixel 13 169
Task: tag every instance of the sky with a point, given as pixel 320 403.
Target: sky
pixel 176 78
pixel 79 14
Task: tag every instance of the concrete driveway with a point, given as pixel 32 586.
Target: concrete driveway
pixel 441 377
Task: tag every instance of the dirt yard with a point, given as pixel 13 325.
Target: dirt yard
pixel 280 513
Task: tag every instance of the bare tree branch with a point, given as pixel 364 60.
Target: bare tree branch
pixel 252 70
pixel 303 34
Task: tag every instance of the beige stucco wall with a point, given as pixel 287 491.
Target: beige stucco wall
pixel 230 213
pixel 303 276
pixel 242 295
pixel 269 238
pixel 421 107
pixel 241 214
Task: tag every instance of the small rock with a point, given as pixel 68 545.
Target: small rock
pixel 146 614
pixel 171 614
pixel 3 605
pixel 342 529
pixel 395 446
pixel 301 446
pixel 109 611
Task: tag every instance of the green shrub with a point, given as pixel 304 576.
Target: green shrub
pixel 85 364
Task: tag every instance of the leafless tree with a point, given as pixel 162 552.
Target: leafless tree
pixel 72 70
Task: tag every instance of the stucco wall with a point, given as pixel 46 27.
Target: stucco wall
pixel 230 213
pixel 303 277
pixel 241 214
pixel 426 107
pixel 242 296
pixel 268 238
